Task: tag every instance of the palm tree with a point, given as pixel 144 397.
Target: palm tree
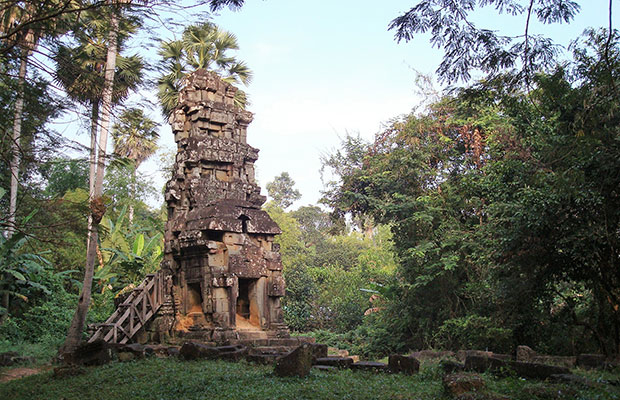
pixel 203 46
pixel 135 138
pixel 114 34
pixel 79 70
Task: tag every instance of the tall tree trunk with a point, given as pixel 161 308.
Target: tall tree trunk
pixel 92 163
pixel 133 191
pixel 74 335
pixel 16 159
pixel 93 147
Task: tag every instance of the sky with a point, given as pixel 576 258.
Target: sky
pixel 324 69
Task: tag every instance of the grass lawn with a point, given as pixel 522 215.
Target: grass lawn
pixel 155 378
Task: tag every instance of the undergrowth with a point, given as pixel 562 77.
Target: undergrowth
pixel 155 378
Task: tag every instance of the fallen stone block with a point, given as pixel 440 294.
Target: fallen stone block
pixel 505 357
pixel 462 355
pixel 87 354
pixel 339 362
pixel 537 371
pixel 403 364
pixel 195 351
pixel 126 356
pixel 157 350
pixel 482 364
pixel 319 350
pixel 231 353
pixel 129 352
pixel 174 351
pixel 449 367
pixel 590 361
pixel 525 354
pixel 369 366
pixel 522 369
pixel 295 363
pixel 335 352
pixel 562 361
pixel 432 354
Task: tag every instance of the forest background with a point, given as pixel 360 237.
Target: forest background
pixel 486 218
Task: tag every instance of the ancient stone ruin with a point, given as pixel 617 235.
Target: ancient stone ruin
pixel 220 259
pixel 221 276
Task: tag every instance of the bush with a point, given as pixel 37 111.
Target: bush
pixel 11 331
pixel 473 332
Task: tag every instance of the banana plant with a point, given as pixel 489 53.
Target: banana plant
pixel 20 271
pixel 127 256
pixel 142 259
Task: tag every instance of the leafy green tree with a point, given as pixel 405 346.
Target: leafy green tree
pixel 490 195
pixel 314 224
pixel 26 41
pixel 282 191
pixel 203 46
pixel 62 175
pixel 468 47
pixel 29 106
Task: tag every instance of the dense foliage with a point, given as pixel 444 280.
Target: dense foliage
pixel 504 209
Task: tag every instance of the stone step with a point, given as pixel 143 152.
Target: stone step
pixel 252 335
pixel 369 366
pixel 340 362
pixel 293 341
pixel 260 342
pixel 273 349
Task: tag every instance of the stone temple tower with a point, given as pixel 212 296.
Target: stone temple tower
pixel 222 267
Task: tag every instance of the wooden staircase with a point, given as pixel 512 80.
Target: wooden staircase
pixel 133 313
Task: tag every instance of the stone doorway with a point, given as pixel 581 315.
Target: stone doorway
pixel 247 305
pixel 193 317
pixel 194 298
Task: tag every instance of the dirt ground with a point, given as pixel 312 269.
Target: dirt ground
pixel 20 372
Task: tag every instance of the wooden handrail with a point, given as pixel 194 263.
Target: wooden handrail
pixel 133 313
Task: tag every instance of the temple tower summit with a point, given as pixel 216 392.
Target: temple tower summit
pixel 223 267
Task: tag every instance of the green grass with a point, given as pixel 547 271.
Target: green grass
pixel 173 379
pixel 42 351
pixel 155 378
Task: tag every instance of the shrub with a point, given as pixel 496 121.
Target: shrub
pixel 473 332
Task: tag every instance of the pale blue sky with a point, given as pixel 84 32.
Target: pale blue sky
pixel 324 68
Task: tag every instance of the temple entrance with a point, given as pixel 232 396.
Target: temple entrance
pixel 194 298
pixel 247 307
pixel 194 318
